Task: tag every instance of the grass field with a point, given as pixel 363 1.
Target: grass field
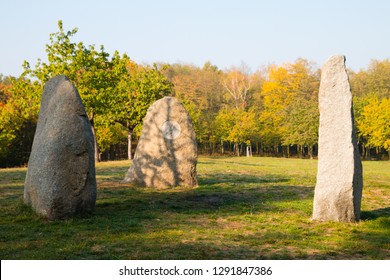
pixel 244 208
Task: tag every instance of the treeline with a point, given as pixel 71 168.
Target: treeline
pixel 273 111
pixel 270 112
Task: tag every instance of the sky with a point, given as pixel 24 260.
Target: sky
pixel 226 33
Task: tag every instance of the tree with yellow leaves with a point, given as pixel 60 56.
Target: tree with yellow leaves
pixel 290 114
pixel 374 123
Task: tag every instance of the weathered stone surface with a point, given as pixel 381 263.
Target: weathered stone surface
pixel 166 155
pixel 61 180
pixel 338 191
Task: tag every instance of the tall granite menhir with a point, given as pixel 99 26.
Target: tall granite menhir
pixel 166 155
pixel 338 191
pixel 61 179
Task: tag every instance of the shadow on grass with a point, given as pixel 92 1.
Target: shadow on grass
pixel 141 223
pixel 234 178
pixel 375 214
pixel 12 175
pixel 197 202
pixel 235 193
pixel 243 163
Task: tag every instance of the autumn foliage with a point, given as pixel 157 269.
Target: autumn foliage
pixel 271 111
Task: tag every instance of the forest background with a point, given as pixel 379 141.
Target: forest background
pixel 272 111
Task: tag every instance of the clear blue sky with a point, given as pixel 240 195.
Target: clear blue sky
pixel 221 31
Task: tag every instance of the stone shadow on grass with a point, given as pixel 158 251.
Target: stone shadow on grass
pixel 370 243
pixel 234 178
pixel 235 194
pixel 375 214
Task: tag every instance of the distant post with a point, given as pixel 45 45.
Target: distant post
pixel 248 151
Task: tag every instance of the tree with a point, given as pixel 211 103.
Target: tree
pixel 223 123
pixel 369 88
pixel 302 114
pixel 201 92
pixel 277 92
pixel 18 116
pixel 237 83
pixel 138 87
pixel 108 134
pixel 301 126
pixel 236 126
pixel 88 68
pixel 244 129
pixel 5 86
pixel 290 101
pixel 374 123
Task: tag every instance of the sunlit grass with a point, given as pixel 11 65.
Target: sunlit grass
pixel 244 208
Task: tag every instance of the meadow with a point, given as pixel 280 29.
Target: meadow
pixel 244 208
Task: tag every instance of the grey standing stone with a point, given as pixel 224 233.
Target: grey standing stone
pixel 338 191
pixel 61 179
pixel 166 155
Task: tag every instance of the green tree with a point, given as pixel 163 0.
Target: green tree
pixel 223 123
pixel 108 134
pixel 137 88
pixel 89 69
pixel 301 114
pixel 301 126
pixel 236 126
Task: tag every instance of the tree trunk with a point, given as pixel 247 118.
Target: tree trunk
pixel 288 151
pixel 222 149
pixel 129 135
pixel 310 151
pixel 365 152
pixel 96 148
pixel 299 151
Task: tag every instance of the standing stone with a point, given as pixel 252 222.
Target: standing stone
pixel 61 180
pixel 338 191
pixel 166 155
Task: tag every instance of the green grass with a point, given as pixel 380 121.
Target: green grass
pixel 244 208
